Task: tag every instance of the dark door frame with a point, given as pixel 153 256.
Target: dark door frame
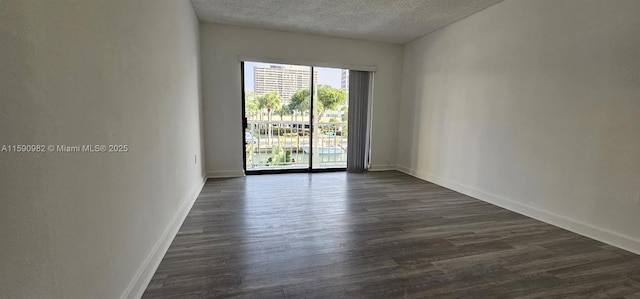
pixel 309 169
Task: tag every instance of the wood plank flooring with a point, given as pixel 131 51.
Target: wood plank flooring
pixel 377 235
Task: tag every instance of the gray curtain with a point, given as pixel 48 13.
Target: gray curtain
pixel 358 127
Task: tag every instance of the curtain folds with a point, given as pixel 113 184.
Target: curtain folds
pixel 359 119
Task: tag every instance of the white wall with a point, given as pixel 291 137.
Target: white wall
pixel 535 106
pixel 83 225
pixel 221 47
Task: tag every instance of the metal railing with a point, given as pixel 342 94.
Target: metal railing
pixel 287 144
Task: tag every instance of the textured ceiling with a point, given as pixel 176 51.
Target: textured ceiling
pixel 395 21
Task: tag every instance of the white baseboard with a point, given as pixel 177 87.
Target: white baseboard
pixel 144 274
pixel 579 227
pixel 407 171
pixel 225 174
pixel 381 167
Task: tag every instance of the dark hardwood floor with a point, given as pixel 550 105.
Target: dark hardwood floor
pixel 377 235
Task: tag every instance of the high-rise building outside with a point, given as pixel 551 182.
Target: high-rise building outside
pixel 344 82
pixel 283 79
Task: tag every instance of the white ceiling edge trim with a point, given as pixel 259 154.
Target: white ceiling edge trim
pixel 364 68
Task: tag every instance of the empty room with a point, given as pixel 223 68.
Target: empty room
pixel 320 149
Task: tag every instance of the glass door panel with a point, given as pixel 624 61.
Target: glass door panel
pixel 277 110
pixel 288 124
pixel 330 107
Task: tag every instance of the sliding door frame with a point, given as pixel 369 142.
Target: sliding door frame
pixel 310 168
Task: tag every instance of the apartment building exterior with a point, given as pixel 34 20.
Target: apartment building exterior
pixel 284 79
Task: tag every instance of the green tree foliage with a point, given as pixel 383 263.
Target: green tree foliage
pixel 286 110
pixel 271 101
pixel 300 100
pixel 251 107
pixel 279 156
pixel 345 113
pixel 250 104
pixel 328 98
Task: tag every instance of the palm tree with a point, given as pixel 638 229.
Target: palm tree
pixel 270 101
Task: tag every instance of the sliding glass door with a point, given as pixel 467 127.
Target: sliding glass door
pixel 330 112
pixel 294 117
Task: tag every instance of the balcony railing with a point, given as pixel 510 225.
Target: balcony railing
pixel 286 145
